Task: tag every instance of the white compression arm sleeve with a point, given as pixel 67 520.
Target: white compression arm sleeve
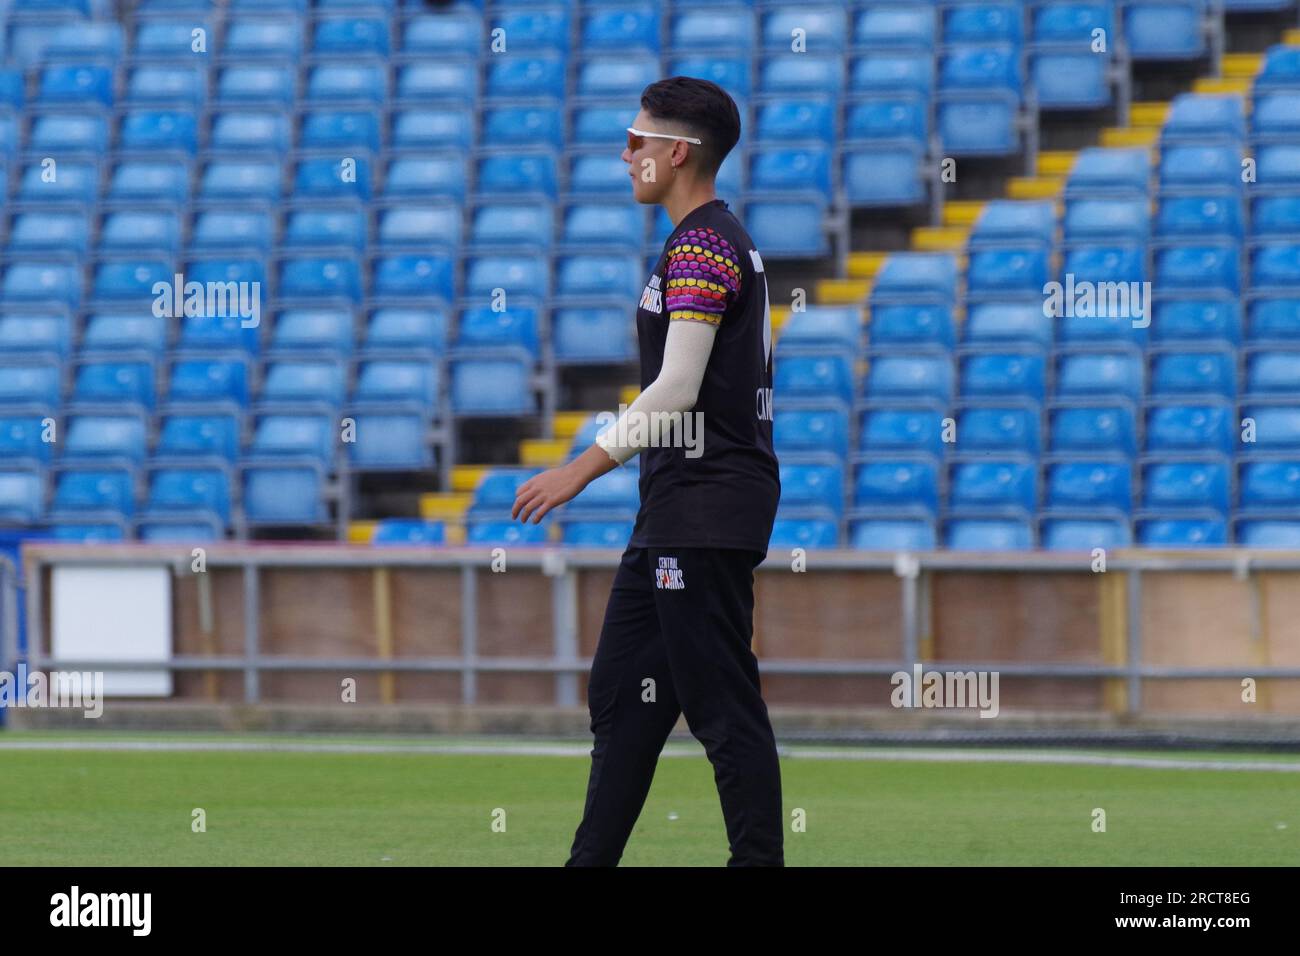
pixel 676 389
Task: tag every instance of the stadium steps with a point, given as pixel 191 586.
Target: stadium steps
pixel 865 265
pixel 361 532
pixel 444 505
pixel 960 213
pixel 1035 187
pixel 566 424
pixel 543 452
pixel 466 478
pixel 940 238
pixel 842 291
pixel 1056 163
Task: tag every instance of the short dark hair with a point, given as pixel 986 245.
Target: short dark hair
pixel 706 110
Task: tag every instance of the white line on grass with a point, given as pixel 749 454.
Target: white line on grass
pixel 577 750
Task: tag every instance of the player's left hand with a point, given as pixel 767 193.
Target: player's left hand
pixel 540 493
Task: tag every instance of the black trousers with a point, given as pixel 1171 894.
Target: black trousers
pixel 676 639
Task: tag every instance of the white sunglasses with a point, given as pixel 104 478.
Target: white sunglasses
pixel 633 131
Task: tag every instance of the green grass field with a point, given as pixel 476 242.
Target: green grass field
pixel 81 807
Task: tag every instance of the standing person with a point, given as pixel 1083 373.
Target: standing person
pixel 679 622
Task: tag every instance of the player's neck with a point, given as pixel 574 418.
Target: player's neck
pixel 680 205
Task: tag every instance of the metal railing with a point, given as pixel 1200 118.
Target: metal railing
pixel 564 567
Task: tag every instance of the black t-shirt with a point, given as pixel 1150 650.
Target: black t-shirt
pixel 722 490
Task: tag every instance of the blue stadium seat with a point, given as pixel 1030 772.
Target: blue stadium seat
pixel 896 487
pixel 812 485
pixel 339 129
pixel 141 230
pixel 913 377
pixel 908 324
pixel 884 174
pixel 1201 165
pixel 797 428
pixel 189 489
pixel 1197 116
pixel 492 386
pixel 120 436
pixel 446 32
pixel 999 429
pixel 22 439
pixel 600 76
pixel 1015 221
pixel 319 277
pixel 1098 170
pixel 30 332
pixel 1273 373
pixel 882 25
pixel 299 381
pixel 988 534
pixel 614 494
pixel 209 381
pixel 893 535
pixel 99 491
pixel 70 132
pixel 822 326
pixel 1092 429
pixel 446 81
pixel 1182 532
pixel 338 83
pixel 903 70
pixel 1275 215
pixel 1205 215
pixel 1085 534
pixel 324 227
pixel 1008 272
pixel 1190 428
pixel 306 329
pixel 1001 323
pixel 510 224
pixel 1197 320
pixel 993 486
pixel 1275 265
pixel 114 382
pixel 198 435
pixel 352 36
pixel 109 332
pixel 259 84
pixel 807 533
pixel 306 436
pixel 914 430
pixel 33 381
pixel 586 334
pixel 1165 29
pixel 1199 373
pixel 22 495
pixel 508 533
pixel 484 327
pixel 1118 218
pixel 1186 485
pixel 246 229
pixel 394 382
pixel 388 439
pixel 83 83
pixel 37 232
pixel 906 274
pixel 406 330
pixel 1003 375
pixel 1089 486
pixel 276 39
pixel 1069 78
pixel 1099 375
pixel 1269 534
pixel 232 180
pixel 435 128
pixel 396 532
pixel 182 86
pixel 1201 267
pixel 283 494
pixel 523 275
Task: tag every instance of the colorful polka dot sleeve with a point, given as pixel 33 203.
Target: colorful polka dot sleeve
pixel 703 275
